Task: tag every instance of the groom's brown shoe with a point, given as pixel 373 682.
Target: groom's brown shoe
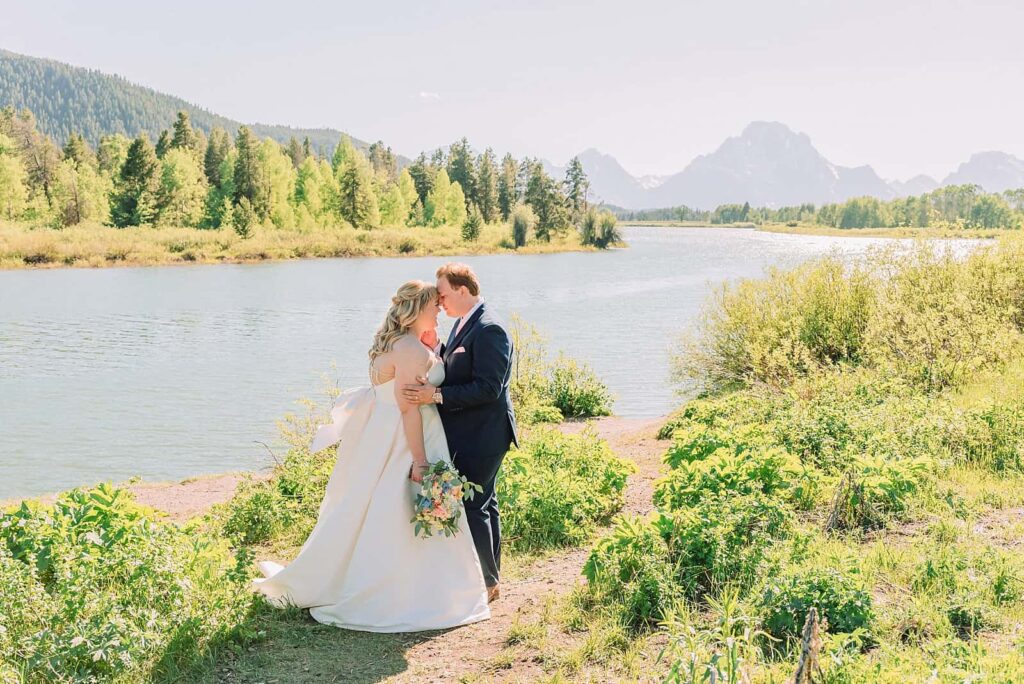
pixel 493 593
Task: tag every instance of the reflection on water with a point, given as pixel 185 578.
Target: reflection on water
pixel 175 371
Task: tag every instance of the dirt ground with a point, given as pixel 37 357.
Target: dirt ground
pixel 300 650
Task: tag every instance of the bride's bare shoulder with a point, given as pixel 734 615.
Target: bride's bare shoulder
pixel 410 347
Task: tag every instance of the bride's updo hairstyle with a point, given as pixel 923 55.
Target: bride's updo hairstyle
pixel 406 306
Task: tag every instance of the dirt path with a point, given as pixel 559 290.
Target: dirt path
pixel 303 651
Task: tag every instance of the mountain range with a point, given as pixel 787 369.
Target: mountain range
pixel 768 164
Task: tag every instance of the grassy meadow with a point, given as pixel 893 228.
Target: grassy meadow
pixel 93 245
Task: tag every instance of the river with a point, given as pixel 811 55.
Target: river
pixel 168 372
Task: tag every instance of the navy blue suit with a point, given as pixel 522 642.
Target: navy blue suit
pixel 478 420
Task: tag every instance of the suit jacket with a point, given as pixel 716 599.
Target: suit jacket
pixel 477 407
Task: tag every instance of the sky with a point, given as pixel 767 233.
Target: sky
pixel 908 87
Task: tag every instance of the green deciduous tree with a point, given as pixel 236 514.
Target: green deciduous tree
pixel 183 188
pixel 111 153
pixel 435 209
pixel 13 188
pixel 79 193
pixel 455 213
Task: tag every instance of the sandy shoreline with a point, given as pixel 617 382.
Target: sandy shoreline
pixel 185 499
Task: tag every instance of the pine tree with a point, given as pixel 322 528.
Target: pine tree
pixel 163 143
pixel 78 151
pixel 295 152
pixel 133 202
pixel 280 175
pixel 217 149
pixel 472 225
pixel 307 149
pixel 546 201
pixel 383 161
pixel 357 199
pixel 423 174
pixel 487 186
pixel 461 169
pixel 508 190
pixel 576 188
pixel 250 178
pixel 184 137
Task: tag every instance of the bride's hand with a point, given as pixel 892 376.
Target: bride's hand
pixel 417 471
pixel 429 338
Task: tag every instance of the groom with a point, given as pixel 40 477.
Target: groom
pixel 474 404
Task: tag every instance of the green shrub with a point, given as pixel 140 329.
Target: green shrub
pixel 994 438
pixel 840 598
pixel 724 540
pixel 778 329
pixel 256 513
pixel 631 570
pixel 766 471
pixel 875 491
pixel 556 488
pixel 696 442
pixel 576 391
pixel 100 590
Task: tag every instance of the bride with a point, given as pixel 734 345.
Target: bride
pixel 362 567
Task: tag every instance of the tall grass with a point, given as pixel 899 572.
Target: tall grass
pixel 94 245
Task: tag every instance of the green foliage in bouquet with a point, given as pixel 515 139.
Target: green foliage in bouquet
pixel 437 505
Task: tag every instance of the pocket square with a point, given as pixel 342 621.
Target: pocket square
pixel 459 350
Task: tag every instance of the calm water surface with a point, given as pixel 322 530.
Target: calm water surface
pixel 174 371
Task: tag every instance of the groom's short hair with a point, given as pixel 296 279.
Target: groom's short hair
pixel 460 275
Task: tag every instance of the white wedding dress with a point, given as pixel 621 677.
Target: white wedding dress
pixel 362 568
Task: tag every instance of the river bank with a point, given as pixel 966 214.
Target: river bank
pixel 23 246
pixel 829 231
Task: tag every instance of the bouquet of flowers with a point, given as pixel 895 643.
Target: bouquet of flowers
pixel 436 505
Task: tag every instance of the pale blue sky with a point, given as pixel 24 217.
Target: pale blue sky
pixel 908 87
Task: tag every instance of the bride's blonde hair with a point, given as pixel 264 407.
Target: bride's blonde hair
pixel 406 306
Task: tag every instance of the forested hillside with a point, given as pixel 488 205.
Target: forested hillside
pixel 67 99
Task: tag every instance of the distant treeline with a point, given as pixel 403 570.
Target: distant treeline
pixel 952 206
pixel 191 180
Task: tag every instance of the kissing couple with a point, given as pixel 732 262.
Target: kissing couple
pixel 363 567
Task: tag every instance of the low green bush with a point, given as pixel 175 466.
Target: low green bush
pixel 840 597
pixel 768 471
pixel 724 540
pixel 874 492
pixel 631 570
pixel 576 391
pixel 556 488
pixel 95 588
